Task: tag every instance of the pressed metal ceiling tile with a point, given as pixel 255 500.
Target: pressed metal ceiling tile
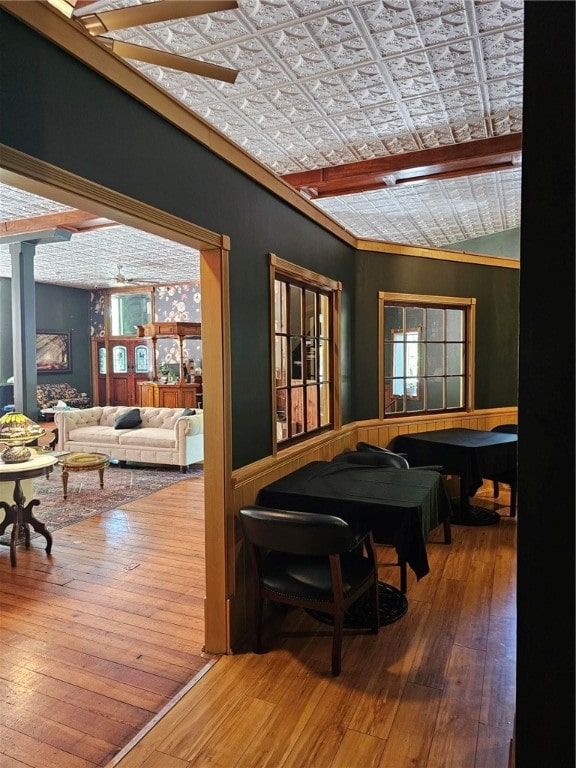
pixel 328 82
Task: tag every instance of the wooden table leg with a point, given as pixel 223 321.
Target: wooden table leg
pixel 65 481
pixel 101 473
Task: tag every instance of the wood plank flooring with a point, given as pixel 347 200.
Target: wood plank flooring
pixel 101 637
pixel 98 638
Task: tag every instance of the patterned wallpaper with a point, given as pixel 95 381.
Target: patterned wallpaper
pixel 180 303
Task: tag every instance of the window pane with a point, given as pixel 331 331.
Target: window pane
pixel 324 316
pixel 295 311
pixel 454 358
pixel 102 365
pixel 455 324
pixel 325 415
pixel 280 313
pixel 323 360
pixel 310 327
pixel 455 392
pixel 435 325
pixel 414 317
pixel 435 394
pixel 141 359
pixel 311 356
pixel 297 410
pixel 311 407
pixel 281 361
pixel 119 359
pixel 296 356
pixel 127 310
pixel 393 321
pixel 435 359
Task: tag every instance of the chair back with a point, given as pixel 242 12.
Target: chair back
pixel 369 458
pixel 304 533
pixel 511 429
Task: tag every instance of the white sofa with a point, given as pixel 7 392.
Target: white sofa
pixel 165 436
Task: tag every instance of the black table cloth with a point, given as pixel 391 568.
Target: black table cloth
pixel 472 454
pixel 400 505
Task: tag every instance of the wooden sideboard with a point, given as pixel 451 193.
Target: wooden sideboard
pixel 155 395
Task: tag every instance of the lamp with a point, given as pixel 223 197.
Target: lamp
pixel 16 430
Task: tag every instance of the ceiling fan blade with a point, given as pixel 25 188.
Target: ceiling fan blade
pixel 150 13
pixel 171 60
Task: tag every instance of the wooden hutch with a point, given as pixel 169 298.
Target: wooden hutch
pixel 176 394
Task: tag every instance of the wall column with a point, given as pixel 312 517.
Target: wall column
pixel 24 328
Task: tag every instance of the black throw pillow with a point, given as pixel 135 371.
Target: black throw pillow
pixel 189 412
pixel 128 420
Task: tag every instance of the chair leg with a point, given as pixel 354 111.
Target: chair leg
pixel 337 643
pixel 258 611
pixel 447 531
pixel 403 576
pixel 513 500
pixel 496 488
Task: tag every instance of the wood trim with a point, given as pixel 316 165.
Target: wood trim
pixel 41 178
pixel 464 257
pixel 412 298
pixel 301 273
pixel 219 519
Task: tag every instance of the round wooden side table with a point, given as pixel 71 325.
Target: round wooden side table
pixel 82 462
pixel 19 514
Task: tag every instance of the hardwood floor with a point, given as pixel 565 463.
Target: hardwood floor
pixel 101 638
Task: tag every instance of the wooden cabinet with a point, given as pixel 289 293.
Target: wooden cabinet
pixel 179 331
pixel 155 395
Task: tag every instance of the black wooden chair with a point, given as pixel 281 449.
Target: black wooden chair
pixel 313 561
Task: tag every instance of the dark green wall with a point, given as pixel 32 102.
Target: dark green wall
pixel 57 309
pixel 496 291
pixel 121 144
pixel 67 309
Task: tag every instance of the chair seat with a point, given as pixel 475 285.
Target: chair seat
pixel 309 577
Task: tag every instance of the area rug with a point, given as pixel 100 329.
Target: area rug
pixel 86 498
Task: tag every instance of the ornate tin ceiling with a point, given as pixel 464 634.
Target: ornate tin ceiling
pixel 323 83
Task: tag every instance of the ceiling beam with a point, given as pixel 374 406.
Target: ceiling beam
pixel 464 159
pixel 73 221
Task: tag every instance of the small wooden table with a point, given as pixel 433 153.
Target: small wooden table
pixel 82 462
pixel 18 515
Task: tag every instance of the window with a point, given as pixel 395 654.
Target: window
pixel 127 310
pixel 304 314
pixel 426 354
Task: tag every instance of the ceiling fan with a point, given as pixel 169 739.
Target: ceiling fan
pixel 97 24
pixel 120 279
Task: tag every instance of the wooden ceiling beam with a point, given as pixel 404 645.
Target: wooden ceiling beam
pixel 73 221
pixel 465 159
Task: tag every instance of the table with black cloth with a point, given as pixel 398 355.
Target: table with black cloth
pixel 472 454
pixel 400 506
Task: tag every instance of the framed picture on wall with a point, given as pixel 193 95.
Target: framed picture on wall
pixel 53 352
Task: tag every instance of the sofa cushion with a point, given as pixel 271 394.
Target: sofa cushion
pixel 94 434
pixel 128 420
pixel 149 437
